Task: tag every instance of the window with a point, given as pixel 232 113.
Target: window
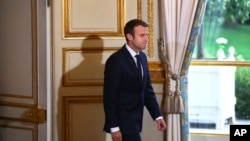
pixel 219 75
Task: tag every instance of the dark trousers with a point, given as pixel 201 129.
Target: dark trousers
pixel 131 137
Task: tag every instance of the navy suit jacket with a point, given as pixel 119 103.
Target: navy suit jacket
pixel 125 95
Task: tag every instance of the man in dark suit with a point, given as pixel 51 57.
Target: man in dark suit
pixel 127 87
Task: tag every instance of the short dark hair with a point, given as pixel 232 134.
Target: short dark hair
pixel 129 27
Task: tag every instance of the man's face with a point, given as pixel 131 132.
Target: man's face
pixel 140 39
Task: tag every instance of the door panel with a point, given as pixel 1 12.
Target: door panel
pixel 85 33
pixel 17 131
pixel 22 69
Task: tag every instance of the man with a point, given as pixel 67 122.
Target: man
pixel 127 87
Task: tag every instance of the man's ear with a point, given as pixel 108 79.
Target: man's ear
pixel 129 36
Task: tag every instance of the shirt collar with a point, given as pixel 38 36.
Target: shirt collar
pixel 131 51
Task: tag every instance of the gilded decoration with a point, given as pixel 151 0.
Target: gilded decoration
pixel 104 29
pixel 72 78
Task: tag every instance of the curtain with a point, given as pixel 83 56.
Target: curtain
pixel 180 22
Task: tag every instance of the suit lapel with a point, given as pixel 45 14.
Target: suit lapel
pixel 132 63
pixel 130 59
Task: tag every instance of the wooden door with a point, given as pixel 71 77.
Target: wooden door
pixel 23 70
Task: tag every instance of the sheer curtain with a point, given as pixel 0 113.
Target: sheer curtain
pixel 180 24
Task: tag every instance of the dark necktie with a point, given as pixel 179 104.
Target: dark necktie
pixel 138 62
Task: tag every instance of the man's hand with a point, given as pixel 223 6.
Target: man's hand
pixel 116 136
pixel 161 125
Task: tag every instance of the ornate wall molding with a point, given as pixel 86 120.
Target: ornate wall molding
pixel 84 66
pixel 71 115
pixel 139 9
pixel 77 78
pixel 77 24
pixel 150 20
pixel 150 15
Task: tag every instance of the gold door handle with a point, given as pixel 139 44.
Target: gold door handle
pixel 36 115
